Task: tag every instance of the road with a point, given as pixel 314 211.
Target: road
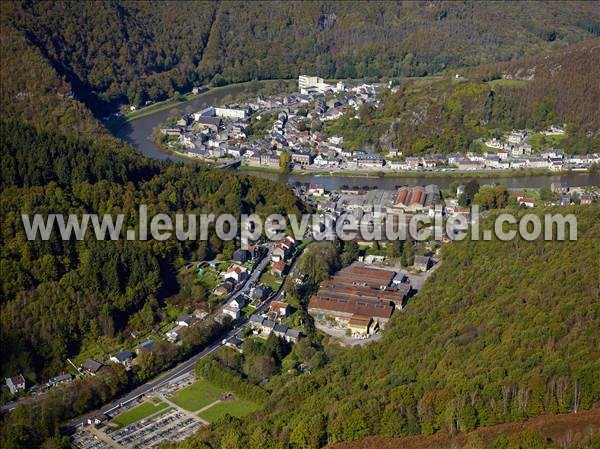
pixel 183 368
pixel 188 365
pixel 180 369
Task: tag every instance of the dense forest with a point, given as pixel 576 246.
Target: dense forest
pixel 115 52
pixel 56 293
pixel 484 342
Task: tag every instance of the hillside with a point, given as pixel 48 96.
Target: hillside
pixel 445 114
pixel 485 342
pixel 58 297
pixel 32 90
pixel 132 52
pixel 567 79
pixel 573 430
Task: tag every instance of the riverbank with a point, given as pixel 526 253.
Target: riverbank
pixel 115 123
pixel 249 168
pixel 417 174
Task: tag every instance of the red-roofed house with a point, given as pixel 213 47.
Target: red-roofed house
pixel 278 268
pixel 236 273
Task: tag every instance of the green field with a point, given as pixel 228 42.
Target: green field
pixel 140 412
pixel 198 395
pixel 235 407
pixel 538 141
pixel 507 83
pixel 270 280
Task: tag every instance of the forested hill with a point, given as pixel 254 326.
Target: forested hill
pixel 502 331
pixel 445 114
pixel 57 296
pixel 132 52
pixel 566 80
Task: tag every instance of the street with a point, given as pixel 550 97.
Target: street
pixel 189 365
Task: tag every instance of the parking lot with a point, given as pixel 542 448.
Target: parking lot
pixel 173 425
pixel 168 424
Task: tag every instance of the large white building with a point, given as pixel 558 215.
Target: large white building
pixel 231 113
pixel 315 84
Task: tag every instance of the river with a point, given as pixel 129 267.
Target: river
pixel 138 133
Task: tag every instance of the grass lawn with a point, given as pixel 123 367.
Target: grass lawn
pixel 198 395
pixel 248 310
pixel 208 278
pixel 507 83
pixel 539 141
pixel 236 407
pixel 139 412
pixel 270 280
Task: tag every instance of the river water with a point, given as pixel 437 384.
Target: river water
pixel 138 133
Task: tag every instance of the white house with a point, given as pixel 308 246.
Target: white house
pixel 316 189
pixel 234 307
pixel 15 383
pixel 174 334
pixel 185 320
pixel 236 273
pixel 231 113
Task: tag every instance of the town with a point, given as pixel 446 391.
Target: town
pixel 271 133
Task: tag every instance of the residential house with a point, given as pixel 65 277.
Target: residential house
pixel 234 307
pixel 174 334
pixel 559 187
pixel 122 357
pixel 212 123
pixel 60 379
pixel 256 322
pixel 517 137
pixel 185 320
pixel 469 165
pixel 172 132
pixel 369 161
pixel 564 200
pixel 302 158
pixel 241 256
pixel 526 201
pixel 279 330
pixel 234 343
pixel 283 249
pixel 184 121
pixel 236 273
pixel 518 163
pixel 292 336
pixel 316 189
pixel 224 288
pixel 147 345
pixel 423 263
pixel 260 292
pixel 280 308
pixel 278 268
pixel 91 366
pixel 236 152
pixel 15 384
pixel 267 327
